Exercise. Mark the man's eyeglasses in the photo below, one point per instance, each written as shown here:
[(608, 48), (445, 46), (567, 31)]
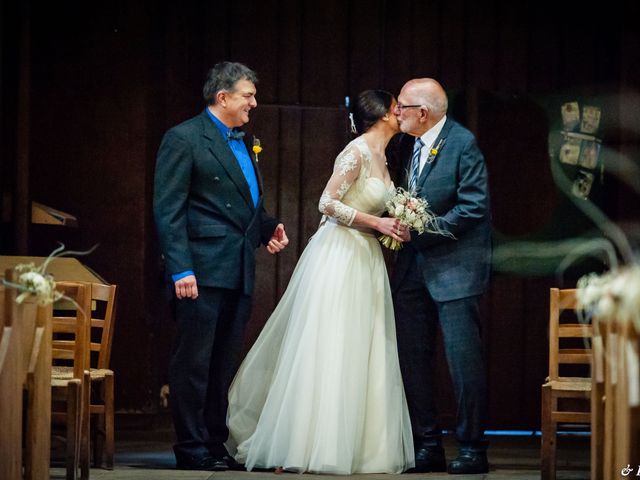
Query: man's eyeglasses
[(400, 106)]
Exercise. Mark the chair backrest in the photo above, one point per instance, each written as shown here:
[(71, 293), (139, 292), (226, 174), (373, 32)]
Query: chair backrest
[(102, 316), (569, 339), (70, 327)]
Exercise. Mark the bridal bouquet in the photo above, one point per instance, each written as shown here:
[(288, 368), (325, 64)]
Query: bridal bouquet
[(413, 212)]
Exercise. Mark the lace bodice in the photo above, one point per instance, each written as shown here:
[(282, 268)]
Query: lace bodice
[(351, 187)]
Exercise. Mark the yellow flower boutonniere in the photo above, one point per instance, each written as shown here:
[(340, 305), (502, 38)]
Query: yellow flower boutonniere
[(257, 148), (433, 153)]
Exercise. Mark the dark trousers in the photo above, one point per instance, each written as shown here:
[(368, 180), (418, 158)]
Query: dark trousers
[(204, 360), (417, 318)]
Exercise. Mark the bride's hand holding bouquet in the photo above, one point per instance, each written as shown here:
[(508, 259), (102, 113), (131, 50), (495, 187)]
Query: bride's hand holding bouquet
[(411, 213)]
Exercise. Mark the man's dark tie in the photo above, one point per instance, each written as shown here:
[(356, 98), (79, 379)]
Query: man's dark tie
[(235, 134)]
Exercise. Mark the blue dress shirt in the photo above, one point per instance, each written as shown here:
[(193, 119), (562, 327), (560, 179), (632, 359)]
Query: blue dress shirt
[(239, 149)]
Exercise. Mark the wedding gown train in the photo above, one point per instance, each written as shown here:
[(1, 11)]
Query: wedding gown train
[(321, 391)]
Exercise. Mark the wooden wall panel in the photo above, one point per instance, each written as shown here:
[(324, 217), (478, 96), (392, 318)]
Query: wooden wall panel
[(187, 47), (521, 156), (545, 58), (88, 158), (107, 85), (256, 42), (289, 65), (324, 135), (324, 52), (512, 47), (453, 37), (398, 54), (504, 340), (423, 52), (482, 42), (290, 198), (366, 46)]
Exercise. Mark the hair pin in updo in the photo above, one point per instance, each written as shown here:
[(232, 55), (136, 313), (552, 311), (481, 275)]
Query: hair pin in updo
[(353, 123)]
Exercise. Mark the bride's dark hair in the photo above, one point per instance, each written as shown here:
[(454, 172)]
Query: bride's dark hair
[(369, 107)]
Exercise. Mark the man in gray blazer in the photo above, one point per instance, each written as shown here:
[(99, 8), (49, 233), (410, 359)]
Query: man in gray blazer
[(438, 279), (209, 213)]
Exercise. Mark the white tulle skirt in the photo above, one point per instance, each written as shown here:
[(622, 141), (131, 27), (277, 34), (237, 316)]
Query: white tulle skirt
[(321, 390)]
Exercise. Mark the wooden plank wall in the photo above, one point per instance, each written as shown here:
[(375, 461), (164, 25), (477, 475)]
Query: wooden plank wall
[(107, 80)]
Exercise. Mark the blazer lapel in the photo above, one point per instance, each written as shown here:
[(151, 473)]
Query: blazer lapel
[(220, 149), (439, 144)]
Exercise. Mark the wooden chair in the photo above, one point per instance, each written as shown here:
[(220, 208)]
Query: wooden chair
[(11, 364), (598, 400), (558, 389), (103, 314), (620, 435), (70, 375), (25, 367), (37, 452)]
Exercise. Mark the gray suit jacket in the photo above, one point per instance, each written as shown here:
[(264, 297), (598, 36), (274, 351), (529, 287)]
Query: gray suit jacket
[(204, 213), (456, 188)]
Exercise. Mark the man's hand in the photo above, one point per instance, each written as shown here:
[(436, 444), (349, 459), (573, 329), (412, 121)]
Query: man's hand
[(278, 240), (187, 287), (405, 234)]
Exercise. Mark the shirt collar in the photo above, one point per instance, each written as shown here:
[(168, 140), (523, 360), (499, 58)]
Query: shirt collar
[(429, 137), (224, 130)]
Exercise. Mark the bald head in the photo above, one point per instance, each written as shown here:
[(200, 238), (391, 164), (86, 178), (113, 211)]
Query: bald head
[(429, 92), (425, 92)]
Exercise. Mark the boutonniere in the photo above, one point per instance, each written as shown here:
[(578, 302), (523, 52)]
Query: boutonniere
[(433, 153), (256, 147)]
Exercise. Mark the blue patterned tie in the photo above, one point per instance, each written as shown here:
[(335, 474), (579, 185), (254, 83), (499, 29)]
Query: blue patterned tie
[(415, 164)]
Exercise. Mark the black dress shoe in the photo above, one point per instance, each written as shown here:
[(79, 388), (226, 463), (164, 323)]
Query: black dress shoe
[(204, 463), (233, 465), (429, 459), (469, 463)]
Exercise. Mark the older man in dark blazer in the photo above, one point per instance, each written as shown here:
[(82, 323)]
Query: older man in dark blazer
[(208, 208), (438, 279)]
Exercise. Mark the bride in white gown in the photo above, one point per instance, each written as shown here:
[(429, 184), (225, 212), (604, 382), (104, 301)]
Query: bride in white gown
[(321, 391)]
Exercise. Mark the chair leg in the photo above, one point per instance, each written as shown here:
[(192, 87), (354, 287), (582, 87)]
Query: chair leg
[(73, 428), (548, 447), (109, 420), (103, 431), (85, 446), (97, 437)]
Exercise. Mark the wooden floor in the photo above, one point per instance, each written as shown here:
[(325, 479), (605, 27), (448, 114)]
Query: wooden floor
[(511, 457)]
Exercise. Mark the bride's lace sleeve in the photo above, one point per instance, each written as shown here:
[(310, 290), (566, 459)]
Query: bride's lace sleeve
[(345, 172)]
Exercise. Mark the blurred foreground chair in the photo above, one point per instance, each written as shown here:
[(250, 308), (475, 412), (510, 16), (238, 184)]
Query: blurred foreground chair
[(70, 375), (564, 396), (25, 367)]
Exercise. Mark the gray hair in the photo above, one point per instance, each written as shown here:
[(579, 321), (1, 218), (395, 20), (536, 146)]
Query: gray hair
[(223, 76), (437, 104)]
